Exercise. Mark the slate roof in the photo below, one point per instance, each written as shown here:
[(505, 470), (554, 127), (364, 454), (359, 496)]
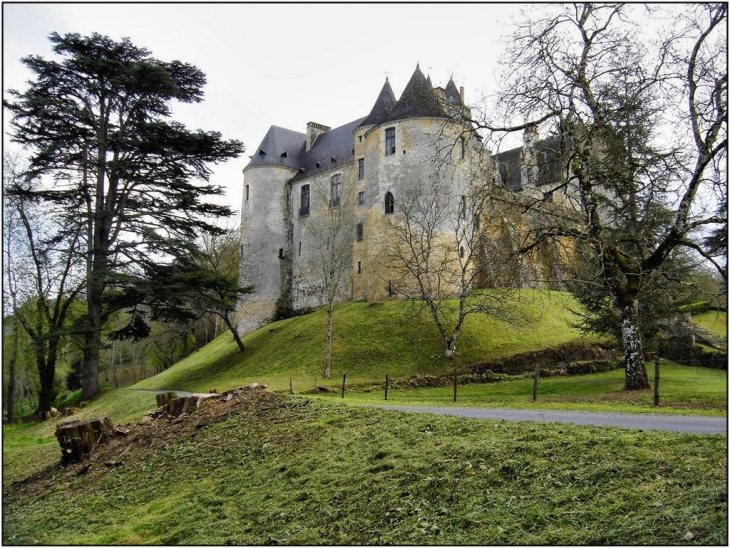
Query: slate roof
[(280, 147), (418, 100), (286, 148), (335, 144), (452, 94), (384, 105)]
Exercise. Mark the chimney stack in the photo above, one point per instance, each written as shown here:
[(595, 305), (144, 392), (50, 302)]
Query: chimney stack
[(314, 130)]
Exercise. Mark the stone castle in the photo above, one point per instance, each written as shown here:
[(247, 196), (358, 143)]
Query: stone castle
[(371, 161)]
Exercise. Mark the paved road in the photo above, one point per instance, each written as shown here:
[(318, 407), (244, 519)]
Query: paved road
[(676, 423)]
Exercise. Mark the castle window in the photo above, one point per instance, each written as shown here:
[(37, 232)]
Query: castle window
[(361, 168), (304, 203), (281, 253), (389, 203), (359, 232), (300, 249), (335, 190), (463, 207), (463, 147), (390, 141), (461, 252), (361, 198), (359, 267), (247, 195)]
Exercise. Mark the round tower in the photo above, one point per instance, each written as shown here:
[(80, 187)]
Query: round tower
[(265, 226)]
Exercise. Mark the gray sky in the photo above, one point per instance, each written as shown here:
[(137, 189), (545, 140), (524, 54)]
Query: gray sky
[(282, 65)]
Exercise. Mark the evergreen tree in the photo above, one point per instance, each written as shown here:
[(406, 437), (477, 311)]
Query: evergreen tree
[(99, 123)]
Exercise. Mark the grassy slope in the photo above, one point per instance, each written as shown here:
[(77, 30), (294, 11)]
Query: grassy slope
[(304, 473), (370, 340), (714, 322)]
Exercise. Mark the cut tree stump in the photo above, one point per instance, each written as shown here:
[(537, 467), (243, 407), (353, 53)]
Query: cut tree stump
[(164, 398), (78, 438), (177, 406)]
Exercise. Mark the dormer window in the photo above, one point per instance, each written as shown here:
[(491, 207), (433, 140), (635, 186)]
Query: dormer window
[(262, 153), (390, 141), (283, 154)]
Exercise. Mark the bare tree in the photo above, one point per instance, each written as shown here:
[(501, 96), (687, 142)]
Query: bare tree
[(47, 242), (640, 127), (434, 244), (327, 260)]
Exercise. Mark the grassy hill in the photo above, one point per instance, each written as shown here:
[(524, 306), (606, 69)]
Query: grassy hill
[(271, 469), (370, 340), (266, 468)]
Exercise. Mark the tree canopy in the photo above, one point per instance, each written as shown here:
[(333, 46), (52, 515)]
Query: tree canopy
[(98, 123), (640, 124)]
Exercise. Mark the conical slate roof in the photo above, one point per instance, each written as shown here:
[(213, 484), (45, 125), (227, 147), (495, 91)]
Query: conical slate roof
[(452, 94), (418, 100), (383, 106), (280, 147)]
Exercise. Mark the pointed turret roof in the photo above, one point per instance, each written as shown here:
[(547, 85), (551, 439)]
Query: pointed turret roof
[(280, 147), (452, 94), (383, 106), (418, 99)]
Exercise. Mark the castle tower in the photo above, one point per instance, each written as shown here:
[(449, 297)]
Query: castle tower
[(265, 217)]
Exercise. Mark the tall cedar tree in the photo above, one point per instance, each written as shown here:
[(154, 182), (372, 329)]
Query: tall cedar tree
[(643, 142), (98, 122)]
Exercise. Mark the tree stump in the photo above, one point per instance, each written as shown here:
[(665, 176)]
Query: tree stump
[(177, 406), (78, 438), (165, 398)]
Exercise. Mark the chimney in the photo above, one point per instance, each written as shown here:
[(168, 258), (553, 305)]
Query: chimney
[(461, 92), (314, 130)]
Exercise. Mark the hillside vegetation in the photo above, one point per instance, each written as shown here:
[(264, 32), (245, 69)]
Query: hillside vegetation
[(370, 340), (262, 468)]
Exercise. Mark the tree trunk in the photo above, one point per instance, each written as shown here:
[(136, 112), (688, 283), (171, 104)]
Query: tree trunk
[(11, 372), (636, 377), (92, 349), (233, 330), (46, 374), (328, 344)]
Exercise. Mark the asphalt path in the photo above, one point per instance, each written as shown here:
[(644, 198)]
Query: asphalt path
[(675, 423)]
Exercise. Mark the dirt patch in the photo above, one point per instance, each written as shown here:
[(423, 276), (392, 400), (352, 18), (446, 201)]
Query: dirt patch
[(154, 433)]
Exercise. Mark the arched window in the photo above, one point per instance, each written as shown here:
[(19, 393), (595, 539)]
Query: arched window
[(389, 203)]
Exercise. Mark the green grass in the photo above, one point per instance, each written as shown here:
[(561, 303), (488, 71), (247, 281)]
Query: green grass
[(683, 390), (714, 322), (297, 472), (370, 340)]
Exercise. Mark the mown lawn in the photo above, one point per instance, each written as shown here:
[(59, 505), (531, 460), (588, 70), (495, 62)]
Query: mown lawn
[(296, 471), (683, 390), (370, 340)]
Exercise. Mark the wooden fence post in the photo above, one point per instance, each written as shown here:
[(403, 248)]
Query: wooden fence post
[(386, 386), (656, 375), (454, 384), (344, 377)]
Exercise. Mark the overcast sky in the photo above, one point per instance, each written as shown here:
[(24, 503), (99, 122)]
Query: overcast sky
[(282, 65)]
